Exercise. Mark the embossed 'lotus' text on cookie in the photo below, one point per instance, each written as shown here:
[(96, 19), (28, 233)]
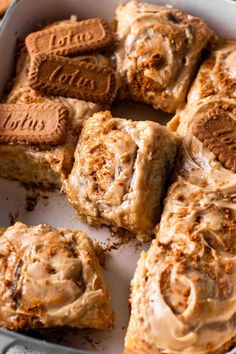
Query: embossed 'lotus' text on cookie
[(218, 133), (81, 37), (60, 76), (34, 124)]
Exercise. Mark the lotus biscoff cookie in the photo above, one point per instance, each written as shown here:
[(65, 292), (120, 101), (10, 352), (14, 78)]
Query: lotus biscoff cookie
[(70, 39)]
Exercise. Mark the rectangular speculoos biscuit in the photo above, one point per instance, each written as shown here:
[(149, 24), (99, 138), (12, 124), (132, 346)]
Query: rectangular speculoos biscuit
[(33, 124), (60, 76), (70, 39)]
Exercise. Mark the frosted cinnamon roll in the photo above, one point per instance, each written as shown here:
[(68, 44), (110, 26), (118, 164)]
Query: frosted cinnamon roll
[(159, 48), (50, 278), (183, 293), (217, 75), (119, 172)]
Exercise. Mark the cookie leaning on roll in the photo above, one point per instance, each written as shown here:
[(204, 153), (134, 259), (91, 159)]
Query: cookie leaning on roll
[(184, 290)]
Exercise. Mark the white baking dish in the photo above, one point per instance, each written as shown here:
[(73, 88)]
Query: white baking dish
[(20, 20)]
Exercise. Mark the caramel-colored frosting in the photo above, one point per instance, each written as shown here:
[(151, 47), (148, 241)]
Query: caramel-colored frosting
[(217, 75), (183, 293), (159, 48), (50, 278), (119, 172), (184, 287)]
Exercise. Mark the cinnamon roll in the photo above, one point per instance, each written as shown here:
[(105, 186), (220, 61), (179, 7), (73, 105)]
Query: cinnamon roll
[(159, 49), (183, 292), (50, 278), (119, 172), (183, 295), (217, 75)]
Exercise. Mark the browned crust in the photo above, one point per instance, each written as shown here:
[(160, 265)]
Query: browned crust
[(16, 117), (104, 74), (138, 346), (84, 47)]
